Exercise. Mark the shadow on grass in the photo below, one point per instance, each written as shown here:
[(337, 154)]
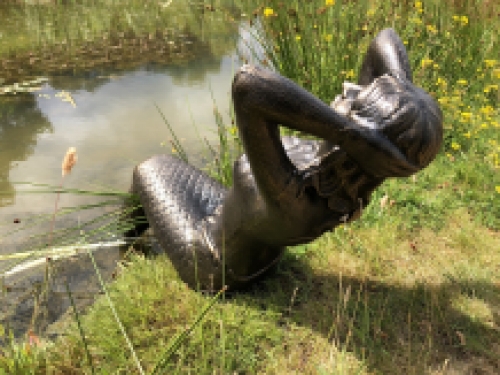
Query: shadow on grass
[(392, 328), (299, 319)]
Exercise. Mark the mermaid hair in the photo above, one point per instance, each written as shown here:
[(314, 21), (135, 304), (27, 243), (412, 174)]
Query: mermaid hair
[(404, 113)]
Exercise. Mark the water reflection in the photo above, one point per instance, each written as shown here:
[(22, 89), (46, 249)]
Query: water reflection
[(21, 122), (114, 125)]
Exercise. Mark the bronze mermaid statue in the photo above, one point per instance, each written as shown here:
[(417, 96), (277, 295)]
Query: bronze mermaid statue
[(287, 190)]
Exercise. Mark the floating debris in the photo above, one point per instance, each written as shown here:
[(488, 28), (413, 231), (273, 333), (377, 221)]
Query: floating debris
[(66, 97), (28, 86)]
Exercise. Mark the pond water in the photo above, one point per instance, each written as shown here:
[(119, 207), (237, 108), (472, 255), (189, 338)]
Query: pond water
[(112, 120), (114, 124)]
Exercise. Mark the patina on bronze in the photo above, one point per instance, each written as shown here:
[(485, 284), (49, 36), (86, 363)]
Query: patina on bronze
[(288, 190)]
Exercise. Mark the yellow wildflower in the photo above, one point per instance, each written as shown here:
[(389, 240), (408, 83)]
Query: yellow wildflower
[(426, 62), (455, 146), (370, 12), (329, 37), (350, 74), (484, 125), (466, 115), (467, 135), (329, 2), (497, 189), (431, 29), (298, 37), (487, 110), (496, 72), (462, 82), (441, 81), (268, 12), (464, 20), (418, 4), (490, 63)]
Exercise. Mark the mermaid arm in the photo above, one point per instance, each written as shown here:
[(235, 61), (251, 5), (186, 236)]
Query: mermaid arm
[(264, 99)]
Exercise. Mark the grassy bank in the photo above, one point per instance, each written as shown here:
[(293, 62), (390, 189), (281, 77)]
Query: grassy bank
[(413, 287), (62, 37)]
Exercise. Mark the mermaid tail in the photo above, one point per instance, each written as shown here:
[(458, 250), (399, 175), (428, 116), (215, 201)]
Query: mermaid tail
[(178, 201), (183, 206)]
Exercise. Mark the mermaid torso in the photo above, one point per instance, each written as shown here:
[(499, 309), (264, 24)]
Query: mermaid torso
[(197, 221)]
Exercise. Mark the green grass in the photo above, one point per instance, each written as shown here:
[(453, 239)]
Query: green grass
[(78, 21), (80, 35), (358, 300), (412, 287)]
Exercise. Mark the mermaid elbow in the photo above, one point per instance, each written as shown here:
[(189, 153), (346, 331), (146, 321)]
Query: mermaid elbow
[(243, 83)]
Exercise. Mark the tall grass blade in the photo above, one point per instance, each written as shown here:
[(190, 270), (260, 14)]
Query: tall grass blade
[(159, 368), (176, 142), (115, 314), (57, 189), (80, 327), (224, 161)]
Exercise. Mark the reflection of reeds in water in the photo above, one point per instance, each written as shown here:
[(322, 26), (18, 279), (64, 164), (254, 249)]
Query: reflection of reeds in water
[(87, 36), (118, 52)]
